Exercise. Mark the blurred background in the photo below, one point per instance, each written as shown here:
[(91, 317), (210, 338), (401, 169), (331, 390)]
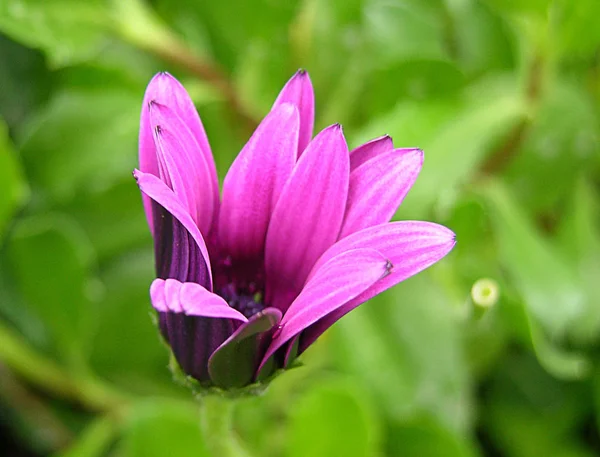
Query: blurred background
[(492, 352)]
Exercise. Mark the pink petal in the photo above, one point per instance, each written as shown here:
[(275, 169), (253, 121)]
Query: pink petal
[(308, 216), (335, 283), (158, 191), (179, 155), (190, 299), (378, 186), (254, 183), (411, 246), (299, 92), (367, 151), (166, 90)]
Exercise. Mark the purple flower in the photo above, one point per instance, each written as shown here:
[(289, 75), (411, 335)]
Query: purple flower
[(300, 237)]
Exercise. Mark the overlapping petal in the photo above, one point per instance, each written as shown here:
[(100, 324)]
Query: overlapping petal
[(307, 217), (182, 166), (177, 256), (367, 151), (165, 90), (334, 283), (299, 92), (378, 186), (255, 181), (411, 246)]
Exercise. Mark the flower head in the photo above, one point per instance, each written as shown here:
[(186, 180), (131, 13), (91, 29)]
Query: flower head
[(300, 237)]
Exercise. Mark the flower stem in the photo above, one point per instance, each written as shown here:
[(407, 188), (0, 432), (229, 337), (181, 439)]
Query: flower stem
[(216, 420), (43, 373), (136, 23)]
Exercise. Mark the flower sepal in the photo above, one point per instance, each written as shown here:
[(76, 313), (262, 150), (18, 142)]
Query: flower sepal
[(201, 390)]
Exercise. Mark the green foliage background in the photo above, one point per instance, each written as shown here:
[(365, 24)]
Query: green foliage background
[(502, 95)]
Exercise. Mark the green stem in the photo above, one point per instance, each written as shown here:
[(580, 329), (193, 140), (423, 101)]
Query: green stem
[(136, 23), (216, 420), (37, 370)]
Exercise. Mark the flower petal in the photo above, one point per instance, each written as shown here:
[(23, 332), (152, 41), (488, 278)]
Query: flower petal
[(180, 250), (234, 363), (411, 246), (367, 151), (254, 183), (308, 216), (179, 155), (378, 186), (166, 90), (335, 283), (194, 322), (190, 299), (299, 91)]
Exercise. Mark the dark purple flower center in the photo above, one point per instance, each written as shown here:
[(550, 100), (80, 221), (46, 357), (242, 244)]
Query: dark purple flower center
[(247, 300)]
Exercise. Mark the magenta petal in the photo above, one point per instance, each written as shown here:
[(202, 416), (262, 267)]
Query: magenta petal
[(254, 183), (367, 151), (166, 90), (378, 186), (308, 216), (234, 363), (411, 246), (183, 166), (190, 299), (335, 283), (299, 92), (158, 192)]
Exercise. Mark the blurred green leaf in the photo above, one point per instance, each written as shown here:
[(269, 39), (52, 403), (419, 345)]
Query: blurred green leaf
[(102, 216), (160, 427), (482, 39), (66, 30), (556, 148), (332, 418), (405, 347), (426, 438), (528, 413), (455, 135), (405, 29), (579, 238), (549, 285), (94, 441), (127, 346), (83, 141), (13, 188), (577, 32), (25, 81), (50, 260)]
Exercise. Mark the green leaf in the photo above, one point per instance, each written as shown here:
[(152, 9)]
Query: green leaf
[(83, 141), (113, 220), (25, 81), (332, 418), (66, 30), (50, 260), (157, 428), (577, 34), (455, 134), (405, 29), (549, 285), (579, 238), (427, 438), (405, 346), (127, 346), (556, 148), (94, 441), (13, 188), (528, 413)]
